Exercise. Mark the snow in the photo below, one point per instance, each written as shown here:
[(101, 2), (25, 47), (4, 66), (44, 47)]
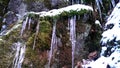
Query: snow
[(114, 15), (112, 33), (54, 12), (97, 22), (100, 63)]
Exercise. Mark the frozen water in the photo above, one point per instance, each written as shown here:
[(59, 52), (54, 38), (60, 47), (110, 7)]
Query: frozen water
[(53, 42), (19, 56), (37, 31), (98, 6), (24, 25), (73, 36)]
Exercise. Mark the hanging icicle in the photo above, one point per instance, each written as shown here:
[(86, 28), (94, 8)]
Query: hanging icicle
[(53, 43), (72, 1), (73, 36), (101, 2), (29, 22), (37, 31), (24, 25), (82, 1), (20, 54), (99, 9)]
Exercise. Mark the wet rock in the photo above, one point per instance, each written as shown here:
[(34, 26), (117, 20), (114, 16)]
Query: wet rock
[(14, 5), (92, 55), (9, 18), (36, 6)]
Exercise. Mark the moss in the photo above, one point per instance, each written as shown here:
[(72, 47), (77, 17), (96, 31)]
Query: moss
[(30, 40), (71, 13), (63, 14), (44, 35), (33, 56)]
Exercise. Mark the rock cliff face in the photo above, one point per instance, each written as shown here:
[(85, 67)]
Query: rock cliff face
[(35, 5), (38, 31)]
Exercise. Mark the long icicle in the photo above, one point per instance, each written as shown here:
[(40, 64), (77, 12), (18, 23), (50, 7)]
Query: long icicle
[(73, 36), (82, 1), (101, 2), (37, 31), (53, 43), (20, 54), (16, 58), (29, 23), (24, 25), (99, 9)]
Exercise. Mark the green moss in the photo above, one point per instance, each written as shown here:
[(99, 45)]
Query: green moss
[(33, 57), (71, 13), (43, 35), (64, 13), (30, 40), (42, 44)]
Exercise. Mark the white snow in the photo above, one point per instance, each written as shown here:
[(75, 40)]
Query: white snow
[(114, 19), (54, 12), (97, 22)]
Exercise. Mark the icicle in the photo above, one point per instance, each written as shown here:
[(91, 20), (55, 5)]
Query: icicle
[(82, 2), (19, 56), (71, 2), (101, 3), (29, 22), (24, 25), (37, 30), (78, 1), (98, 5), (73, 36), (53, 42), (113, 3)]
